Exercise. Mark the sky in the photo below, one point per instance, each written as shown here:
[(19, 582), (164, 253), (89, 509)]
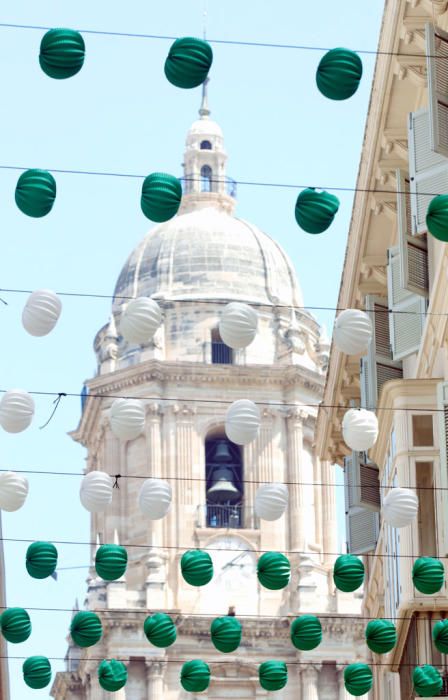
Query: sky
[(120, 114)]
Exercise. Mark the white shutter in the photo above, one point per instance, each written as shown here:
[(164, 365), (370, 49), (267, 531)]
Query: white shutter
[(408, 315), (442, 405), (378, 366), (428, 170), (414, 273), (362, 525), (437, 68)]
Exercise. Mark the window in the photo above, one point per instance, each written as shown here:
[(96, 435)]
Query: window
[(422, 431), (206, 146), (221, 353), (224, 483), (206, 178), (426, 510)]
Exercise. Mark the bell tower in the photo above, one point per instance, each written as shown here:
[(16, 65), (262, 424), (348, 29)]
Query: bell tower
[(205, 160)]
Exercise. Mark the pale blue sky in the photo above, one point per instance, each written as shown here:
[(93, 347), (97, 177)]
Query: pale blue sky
[(120, 114)]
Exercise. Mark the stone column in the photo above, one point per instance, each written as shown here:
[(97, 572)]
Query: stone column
[(296, 514), (310, 679), (184, 468), (343, 693), (258, 465), (155, 671), (328, 515), (155, 561)]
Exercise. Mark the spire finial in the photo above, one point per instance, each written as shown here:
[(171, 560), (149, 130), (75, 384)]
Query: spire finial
[(204, 111)]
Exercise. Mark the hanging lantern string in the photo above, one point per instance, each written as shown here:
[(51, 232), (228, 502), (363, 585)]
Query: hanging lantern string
[(56, 403), (220, 402), (212, 662), (199, 479), (224, 42), (186, 548), (249, 183), (116, 297), (115, 613)]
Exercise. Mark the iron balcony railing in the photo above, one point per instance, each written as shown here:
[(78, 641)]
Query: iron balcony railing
[(227, 516), (230, 185)]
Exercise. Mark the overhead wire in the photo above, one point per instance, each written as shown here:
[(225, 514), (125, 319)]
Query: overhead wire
[(221, 402), (186, 548), (204, 480), (224, 42), (293, 307), (116, 612)]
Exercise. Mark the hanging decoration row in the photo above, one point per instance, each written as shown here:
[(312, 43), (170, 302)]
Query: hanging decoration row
[(195, 676)]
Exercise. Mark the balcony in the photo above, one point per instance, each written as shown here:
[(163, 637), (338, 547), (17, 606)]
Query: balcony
[(232, 517), (230, 186)]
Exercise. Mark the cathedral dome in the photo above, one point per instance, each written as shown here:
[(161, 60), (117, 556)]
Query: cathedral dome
[(209, 254), (204, 127)]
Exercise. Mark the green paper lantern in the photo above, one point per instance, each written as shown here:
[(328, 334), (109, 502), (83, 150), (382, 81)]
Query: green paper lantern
[(348, 573), (440, 636), (358, 678), (111, 561), (188, 62), (16, 625), (62, 53), (36, 672), (273, 675), (428, 575), (41, 559), (315, 211), (196, 567), (306, 632), (112, 675), (427, 681), (195, 676), (161, 196), (35, 192), (381, 636), (339, 74), (274, 570), (160, 630), (86, 628), (226, 633), (437, 217)]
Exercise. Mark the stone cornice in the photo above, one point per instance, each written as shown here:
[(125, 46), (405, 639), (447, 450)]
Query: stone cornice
[(159, 375), (383, 142)]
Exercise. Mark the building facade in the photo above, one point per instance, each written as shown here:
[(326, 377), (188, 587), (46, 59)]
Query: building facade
[(192, 265), (397, 271)]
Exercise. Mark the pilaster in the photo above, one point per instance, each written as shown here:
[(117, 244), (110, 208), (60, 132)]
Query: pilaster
[(310, 680), (155, 672)]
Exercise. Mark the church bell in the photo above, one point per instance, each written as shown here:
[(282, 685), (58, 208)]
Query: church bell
[(223, 489)]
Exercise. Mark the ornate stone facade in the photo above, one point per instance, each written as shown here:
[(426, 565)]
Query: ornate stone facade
[(191, 265)]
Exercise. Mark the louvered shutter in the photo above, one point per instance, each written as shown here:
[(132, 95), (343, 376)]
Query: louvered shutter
[(442, 405), (428, 170), (378, 366), (408, 315), (437, 68), (362, 525), (414, 274)]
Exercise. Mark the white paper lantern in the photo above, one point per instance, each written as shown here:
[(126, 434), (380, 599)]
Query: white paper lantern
[(13, 491), (127, 418), (400, 507), (352, 331), (96, 491), (41, 312), (238, 325), (16, 410), (154, 498), (271, 501), (140, 320), (360, 429), (242, 422)]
